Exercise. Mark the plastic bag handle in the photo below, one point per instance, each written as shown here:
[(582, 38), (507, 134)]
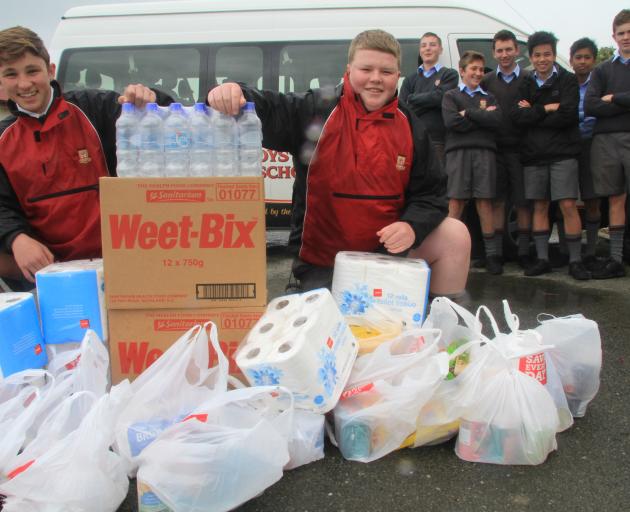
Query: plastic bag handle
[(510, 318), (223, 364), (243, 394), (493, 322), (469, 319)]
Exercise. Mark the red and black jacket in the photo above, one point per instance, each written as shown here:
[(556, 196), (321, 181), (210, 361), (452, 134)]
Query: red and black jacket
[(49, 171), (352, 178)]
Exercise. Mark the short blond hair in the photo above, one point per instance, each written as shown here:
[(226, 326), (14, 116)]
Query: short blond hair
[(16, 41), (375, 39)]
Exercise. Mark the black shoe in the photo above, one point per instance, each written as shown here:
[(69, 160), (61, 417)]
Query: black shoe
[(558, 259), (578, 271), (609, 269), (480, 263), (538, 268), (494, 265), (525, 261), (591, 262)]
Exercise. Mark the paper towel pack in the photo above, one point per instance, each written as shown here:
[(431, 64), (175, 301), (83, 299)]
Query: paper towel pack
[(71, 299), (21, 343), (378, 286), (303, 343)]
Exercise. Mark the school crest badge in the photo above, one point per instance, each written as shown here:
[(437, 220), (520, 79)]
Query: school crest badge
[(483, 104), (438, 82), (84, 156), (400, 162)]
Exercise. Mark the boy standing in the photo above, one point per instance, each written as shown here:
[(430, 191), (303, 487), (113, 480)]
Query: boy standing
[(471, 116), (424, 89), (53, 150), (608, 99), (548, 110), (373, 179), (583, 53), (504, 84)]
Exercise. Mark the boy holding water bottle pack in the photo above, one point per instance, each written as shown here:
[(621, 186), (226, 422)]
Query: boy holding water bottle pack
[(53, 150), (367, 177)]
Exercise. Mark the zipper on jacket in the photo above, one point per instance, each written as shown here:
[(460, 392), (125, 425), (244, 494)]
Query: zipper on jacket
[(63, 193), (366, 196)]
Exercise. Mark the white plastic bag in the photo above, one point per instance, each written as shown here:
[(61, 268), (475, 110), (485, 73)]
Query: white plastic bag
[(227, 452), (469, 361), (577, 355), (79, 472), (167, 391), (24, 395), (306, 441), (537, 364), (514, 421), (386, 391)]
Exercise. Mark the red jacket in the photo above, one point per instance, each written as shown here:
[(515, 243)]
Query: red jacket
[(356, 180)]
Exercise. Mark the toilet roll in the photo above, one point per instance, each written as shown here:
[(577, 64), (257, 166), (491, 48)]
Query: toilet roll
[(377, 286), (71, 300), (21, 343), (304, 345)]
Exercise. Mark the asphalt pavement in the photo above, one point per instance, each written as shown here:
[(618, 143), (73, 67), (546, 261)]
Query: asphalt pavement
[(590, 471)]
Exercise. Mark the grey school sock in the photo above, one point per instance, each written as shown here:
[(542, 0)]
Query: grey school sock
[(489, 244), (523, 242), (574, 244), (562, 237), (592, 233), (616, 242), (498, 242), (541, 239)]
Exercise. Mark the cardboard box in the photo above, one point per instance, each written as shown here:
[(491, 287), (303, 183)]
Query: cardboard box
[(138, 337), (183, 242)]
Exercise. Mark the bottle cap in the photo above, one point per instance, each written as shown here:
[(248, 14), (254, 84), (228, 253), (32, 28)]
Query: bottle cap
[(128, 108), (175, 107)]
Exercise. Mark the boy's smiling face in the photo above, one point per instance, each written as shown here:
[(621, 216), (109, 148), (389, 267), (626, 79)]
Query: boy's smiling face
[(26, 81), (543, 58), (472, 74), (374, 77)]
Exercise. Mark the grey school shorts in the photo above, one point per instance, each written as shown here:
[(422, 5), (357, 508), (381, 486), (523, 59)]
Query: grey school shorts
[(587, 187), (510, 178), (554, 181), (471, 174), (610, 163)]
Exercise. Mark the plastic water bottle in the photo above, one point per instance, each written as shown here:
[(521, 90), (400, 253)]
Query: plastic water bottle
[(176, 141), (127, 141), (151, 156), (224, 144), (250, 142), (201, 142)]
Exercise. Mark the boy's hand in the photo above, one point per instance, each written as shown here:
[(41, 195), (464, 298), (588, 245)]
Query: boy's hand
[(462, 113), (524, 104), (30, 255), (491, 108), (397, 237), (552, 107), (227, 98), (137, 94), (607, 98)]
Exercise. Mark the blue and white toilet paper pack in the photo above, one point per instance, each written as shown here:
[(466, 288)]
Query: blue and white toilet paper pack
[(376, 286), (303, 343), (21, 343), (71, 299)]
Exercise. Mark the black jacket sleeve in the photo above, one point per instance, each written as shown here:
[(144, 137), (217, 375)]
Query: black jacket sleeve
[(526, 116), (12, 218), (420, 102), (567, 114), (406, 88), (484, 118), (426, 204)]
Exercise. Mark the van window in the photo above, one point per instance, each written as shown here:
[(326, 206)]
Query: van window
[(176, 71), (240, 64), (485, 46)]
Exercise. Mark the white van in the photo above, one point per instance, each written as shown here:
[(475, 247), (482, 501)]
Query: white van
[(185, 47)]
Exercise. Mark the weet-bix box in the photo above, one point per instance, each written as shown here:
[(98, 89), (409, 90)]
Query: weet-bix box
[(21, 343), (72, 300)]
